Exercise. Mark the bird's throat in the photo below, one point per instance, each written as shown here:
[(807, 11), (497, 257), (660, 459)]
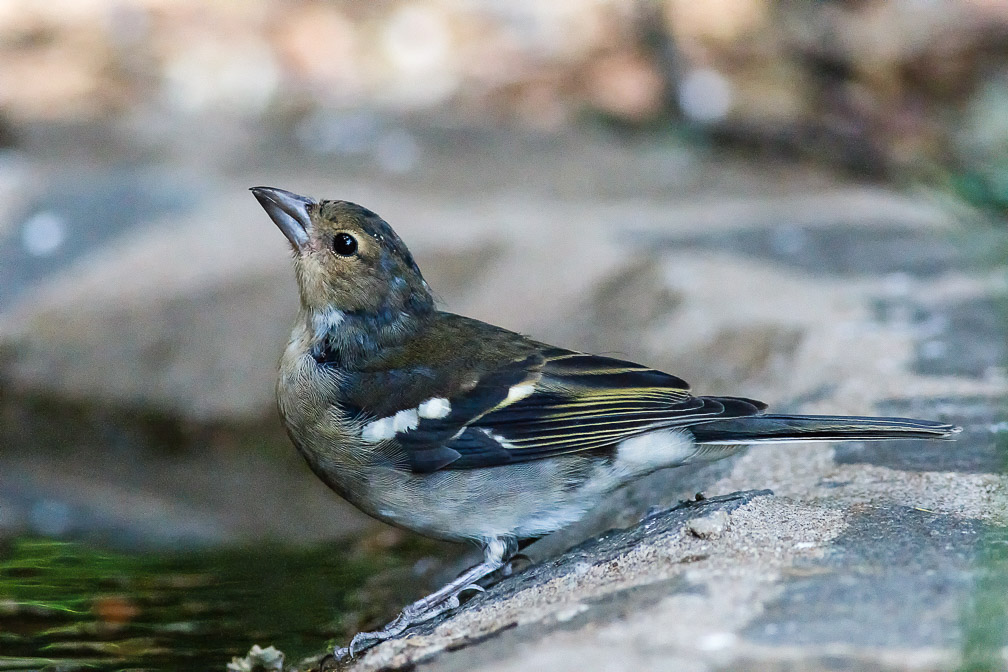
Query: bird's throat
[(348, 339)]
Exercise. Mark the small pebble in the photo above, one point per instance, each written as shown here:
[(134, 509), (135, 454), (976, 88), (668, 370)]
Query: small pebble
[(710, 526), (258, 659), (717, 641)]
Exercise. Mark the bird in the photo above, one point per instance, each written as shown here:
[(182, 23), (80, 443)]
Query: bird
[(463, 431)]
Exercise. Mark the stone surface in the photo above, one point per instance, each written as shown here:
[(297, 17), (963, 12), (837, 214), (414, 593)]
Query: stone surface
[(710, 526), (789, 585), (136, 372)]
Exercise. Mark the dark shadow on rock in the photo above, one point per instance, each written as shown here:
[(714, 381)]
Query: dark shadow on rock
[(134, 478)]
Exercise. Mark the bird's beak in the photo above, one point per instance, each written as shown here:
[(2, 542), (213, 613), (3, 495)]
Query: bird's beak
[(288, 211)]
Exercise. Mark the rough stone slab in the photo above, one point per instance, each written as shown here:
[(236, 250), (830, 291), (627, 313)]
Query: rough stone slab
[(784, 581), (613, 566), (896, 577), (785, 585)]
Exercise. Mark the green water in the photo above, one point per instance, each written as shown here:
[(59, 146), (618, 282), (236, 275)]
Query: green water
[(66, 606)]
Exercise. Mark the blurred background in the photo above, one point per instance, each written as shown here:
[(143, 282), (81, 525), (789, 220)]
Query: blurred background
[(701, 186)]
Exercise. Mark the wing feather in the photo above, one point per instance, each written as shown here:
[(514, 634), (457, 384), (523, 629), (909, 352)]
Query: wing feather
[(579, 403)]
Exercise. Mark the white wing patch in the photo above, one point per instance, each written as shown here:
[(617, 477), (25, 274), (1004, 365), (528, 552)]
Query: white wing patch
[(378, 430), (405, 420), (498, 438), (519, 392), (386, 428), (434, 408)]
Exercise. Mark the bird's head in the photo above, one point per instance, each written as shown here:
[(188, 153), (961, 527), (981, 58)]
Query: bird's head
[(348, 260)]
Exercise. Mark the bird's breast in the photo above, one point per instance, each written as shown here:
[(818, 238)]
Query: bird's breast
[(308, 399)]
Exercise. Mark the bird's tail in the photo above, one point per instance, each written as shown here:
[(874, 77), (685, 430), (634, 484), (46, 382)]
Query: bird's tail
[(779, 428)]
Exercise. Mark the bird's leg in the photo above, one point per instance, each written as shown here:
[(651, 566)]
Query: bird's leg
[(495, 554)]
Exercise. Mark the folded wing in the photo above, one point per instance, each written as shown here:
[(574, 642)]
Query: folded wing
[(553, 403)]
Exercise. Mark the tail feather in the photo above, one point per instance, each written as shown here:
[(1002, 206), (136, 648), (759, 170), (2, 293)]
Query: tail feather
[(779, 428)]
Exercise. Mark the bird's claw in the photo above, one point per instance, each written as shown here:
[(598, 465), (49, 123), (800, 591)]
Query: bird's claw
[(433, 605), (363, 641)]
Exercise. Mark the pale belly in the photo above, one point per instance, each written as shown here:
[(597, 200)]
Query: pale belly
[(525, 500)]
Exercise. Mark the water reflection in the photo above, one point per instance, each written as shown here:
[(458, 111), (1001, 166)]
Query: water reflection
[(68, 606)]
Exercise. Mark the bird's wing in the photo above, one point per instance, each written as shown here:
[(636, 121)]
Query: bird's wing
[(549, 403), (588, 402)]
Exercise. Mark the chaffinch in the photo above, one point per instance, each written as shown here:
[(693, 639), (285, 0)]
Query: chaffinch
[(464, 431)]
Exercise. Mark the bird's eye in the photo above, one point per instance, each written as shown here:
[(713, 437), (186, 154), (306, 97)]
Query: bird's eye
[(344, 244)]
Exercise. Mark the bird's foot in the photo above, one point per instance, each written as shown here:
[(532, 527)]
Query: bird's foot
[(495, 554), (410, 616)]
